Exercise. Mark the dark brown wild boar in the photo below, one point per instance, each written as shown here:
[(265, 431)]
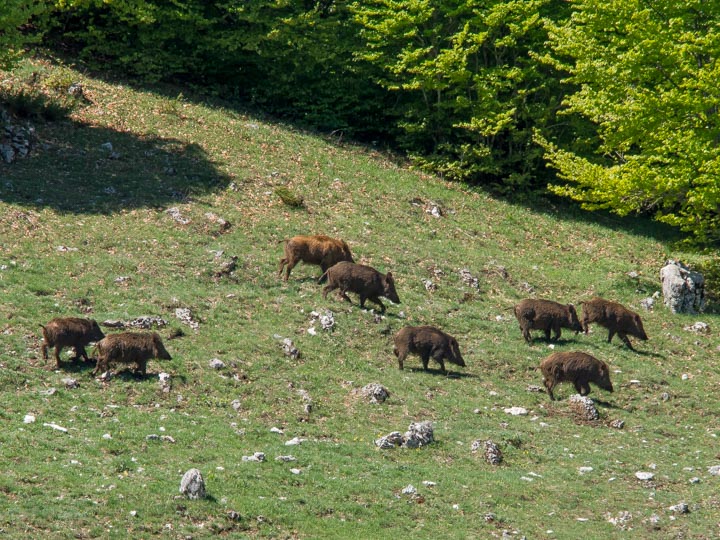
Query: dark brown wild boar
[(320, 249), (363, 280), (69, 332), (129, 347), (615, 317), (579, 368), (546, 315), (427, 342)]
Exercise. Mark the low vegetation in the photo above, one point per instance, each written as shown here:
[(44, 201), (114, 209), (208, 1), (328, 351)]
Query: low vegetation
[(148, 203)]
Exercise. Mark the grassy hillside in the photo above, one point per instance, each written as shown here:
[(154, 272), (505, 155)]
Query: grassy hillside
[(86, 231)]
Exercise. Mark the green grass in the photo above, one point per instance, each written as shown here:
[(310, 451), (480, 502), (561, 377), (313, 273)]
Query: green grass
[(73, 219)]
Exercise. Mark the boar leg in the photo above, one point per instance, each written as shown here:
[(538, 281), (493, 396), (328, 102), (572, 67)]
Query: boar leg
[(58, 348), (547, 333), (557, 331), (142, 367), (80, 353), (611, 333), (425, 357), (379, 303), (400, 356), (625, 340), (526, 333), (44, 349), (327, 288), (344, 296), (549, 386)]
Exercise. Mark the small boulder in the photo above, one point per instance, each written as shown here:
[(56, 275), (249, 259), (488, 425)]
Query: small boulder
[(192, 484)]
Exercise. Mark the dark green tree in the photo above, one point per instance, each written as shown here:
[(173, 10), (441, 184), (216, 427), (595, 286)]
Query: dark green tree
[(646, 75)]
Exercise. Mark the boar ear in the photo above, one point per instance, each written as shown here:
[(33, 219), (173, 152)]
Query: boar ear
[(389, 275)]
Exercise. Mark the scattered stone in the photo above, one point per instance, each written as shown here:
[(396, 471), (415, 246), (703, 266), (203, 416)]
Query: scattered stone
[(434, 209), (308, 402), (71, 383), (107, 146), (107, 436), (665, 396), (257, 456), (174, 212), (29, 419), (694, 480), (534, 388), (429, 285), (698, 328), (49, 392), (648, 303), (583, 470), (295, 471), (55, 427), (216, 363), (165, 382), (285, 459), (192, 484), (584, 407), (683, 289), (326, 319), (429, 483), (633, 274), (391, 440), (223, 225), (714, 470), (468, 279), (516, 411), (289, 348), (640, 475), (236, 404), (680, 508), (622, 519), (277, 430), (375, 392), (493, 455), (418, 434), (617, 424), (232, 515), (295, 441), (7, 153), (186, 316), (409, 490)]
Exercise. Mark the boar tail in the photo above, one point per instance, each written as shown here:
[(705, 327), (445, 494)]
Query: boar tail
[(323, 276)]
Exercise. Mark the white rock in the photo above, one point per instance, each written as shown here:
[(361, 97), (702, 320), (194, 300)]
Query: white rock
[(192, 484), (429, 483), (107, 436), (516, 411), (714, 470), (277, 430), (216, 363), (29, 419), (295, 471), (640, 475), (294, 441), (583, 470), (409, 490), (55, 427), (680, 508)]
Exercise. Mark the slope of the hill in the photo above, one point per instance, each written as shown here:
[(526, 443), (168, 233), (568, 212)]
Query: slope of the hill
[(131, 206)]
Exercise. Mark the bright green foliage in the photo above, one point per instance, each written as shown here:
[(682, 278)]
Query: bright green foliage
[(647, 76), (469, 89), (14, 14)]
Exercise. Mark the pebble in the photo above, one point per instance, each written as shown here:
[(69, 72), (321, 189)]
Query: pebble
[(640, 475), (516, 411)]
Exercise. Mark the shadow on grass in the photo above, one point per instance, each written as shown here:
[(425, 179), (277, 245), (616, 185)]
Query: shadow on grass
[(81, 169), (451, 374)]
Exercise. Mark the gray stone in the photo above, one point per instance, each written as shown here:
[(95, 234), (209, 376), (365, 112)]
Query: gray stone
[(7, 153), (192, 484), (683, 289)]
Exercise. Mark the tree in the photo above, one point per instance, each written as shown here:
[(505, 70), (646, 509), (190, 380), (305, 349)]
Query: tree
[(13, 15), (645, 74), (469, 91)]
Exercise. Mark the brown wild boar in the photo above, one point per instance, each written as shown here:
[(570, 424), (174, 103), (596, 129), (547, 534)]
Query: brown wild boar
[(363, 280), (128, 347), (320, 249), (545, 315), (579, 368), (69, 332), (427, 342), (615, 317)]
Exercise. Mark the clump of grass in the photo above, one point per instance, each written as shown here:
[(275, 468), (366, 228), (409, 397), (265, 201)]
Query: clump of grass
[(289, 198)]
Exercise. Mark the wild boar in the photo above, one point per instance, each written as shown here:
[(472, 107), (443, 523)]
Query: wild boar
[(545, 315), (128, 347), (576, 367), (69, 332), (363, 280), (427, 342), (615, 317), (320, 249)]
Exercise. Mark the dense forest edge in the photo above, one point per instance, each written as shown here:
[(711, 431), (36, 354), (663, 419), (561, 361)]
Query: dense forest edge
[(613, 105)]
